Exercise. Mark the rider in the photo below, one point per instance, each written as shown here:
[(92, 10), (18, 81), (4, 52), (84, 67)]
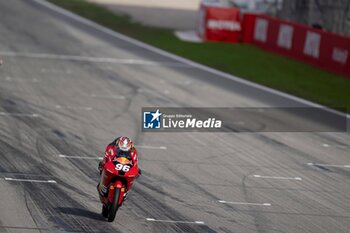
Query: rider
[(120, 147)]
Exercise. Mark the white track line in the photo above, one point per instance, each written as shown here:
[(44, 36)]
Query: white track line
[(33, 181), (9, 79), (277, 177), (19, 114), (151, 147), (91, 59), (244, 203), (119, 97), (335, 146), (72, 107), (172, 221), (327, 165), (79, 157), (53, 71), (180, 59)]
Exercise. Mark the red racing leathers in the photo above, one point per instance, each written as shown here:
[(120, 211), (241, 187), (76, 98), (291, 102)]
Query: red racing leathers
[(110, 153)]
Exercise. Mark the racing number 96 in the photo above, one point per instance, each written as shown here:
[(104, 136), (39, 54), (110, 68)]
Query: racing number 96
[(121, 167)]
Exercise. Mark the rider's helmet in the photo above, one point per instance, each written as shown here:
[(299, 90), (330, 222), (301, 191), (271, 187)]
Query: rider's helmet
[(124, 147)]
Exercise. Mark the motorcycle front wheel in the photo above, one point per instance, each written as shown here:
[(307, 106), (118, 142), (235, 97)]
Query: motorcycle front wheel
[(113, 207), (105, 211)]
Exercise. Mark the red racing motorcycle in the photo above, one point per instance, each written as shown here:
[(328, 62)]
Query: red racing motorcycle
[(117, 177)]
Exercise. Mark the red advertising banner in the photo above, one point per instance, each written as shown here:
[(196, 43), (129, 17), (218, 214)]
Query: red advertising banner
[(219, 24), (323, 49)]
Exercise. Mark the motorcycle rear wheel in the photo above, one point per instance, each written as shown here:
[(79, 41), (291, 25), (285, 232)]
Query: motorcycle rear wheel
[(113, 207)]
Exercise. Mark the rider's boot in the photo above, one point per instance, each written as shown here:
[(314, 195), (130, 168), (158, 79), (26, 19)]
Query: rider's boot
[(125, 195), (102, 190)]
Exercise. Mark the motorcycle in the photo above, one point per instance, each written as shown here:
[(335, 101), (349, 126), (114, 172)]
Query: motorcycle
[(117, 177)]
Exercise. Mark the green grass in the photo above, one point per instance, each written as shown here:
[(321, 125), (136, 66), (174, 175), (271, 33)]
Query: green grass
[(245, 61)]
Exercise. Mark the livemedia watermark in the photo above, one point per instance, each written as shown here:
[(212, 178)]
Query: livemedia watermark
[(162, 119)]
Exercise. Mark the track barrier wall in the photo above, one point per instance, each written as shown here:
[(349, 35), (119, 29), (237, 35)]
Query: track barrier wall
[(323, 49), (314, 46), (219, 24)]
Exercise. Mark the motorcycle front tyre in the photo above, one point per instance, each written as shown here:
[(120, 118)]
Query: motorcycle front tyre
[(113, 208), (105, 211)]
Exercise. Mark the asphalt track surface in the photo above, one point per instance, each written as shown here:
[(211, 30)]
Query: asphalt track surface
[(73, 105)]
